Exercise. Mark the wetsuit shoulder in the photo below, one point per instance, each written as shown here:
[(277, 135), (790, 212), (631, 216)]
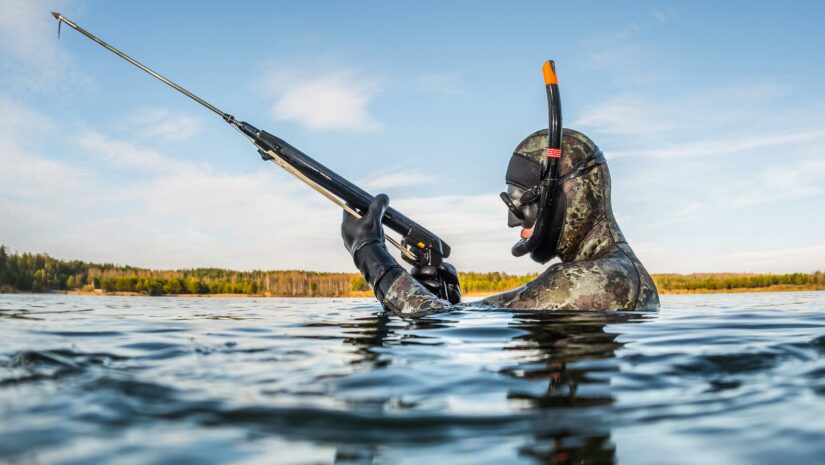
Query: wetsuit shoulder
[(609, 282), (647, 296)]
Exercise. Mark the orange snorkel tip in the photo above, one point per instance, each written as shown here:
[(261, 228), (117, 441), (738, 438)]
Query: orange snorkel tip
[(549, 71)]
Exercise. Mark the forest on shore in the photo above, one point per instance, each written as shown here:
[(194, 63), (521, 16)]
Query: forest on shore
[(27, 272)]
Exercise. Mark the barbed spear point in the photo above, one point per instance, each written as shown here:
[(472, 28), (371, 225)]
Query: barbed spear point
[(59, 19)]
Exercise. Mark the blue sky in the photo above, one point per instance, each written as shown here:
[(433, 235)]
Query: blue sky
[(711, 116)]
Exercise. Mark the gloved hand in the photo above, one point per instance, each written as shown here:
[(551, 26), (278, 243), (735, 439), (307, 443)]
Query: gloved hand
[(439, 280), (364, 239), (358, 232)]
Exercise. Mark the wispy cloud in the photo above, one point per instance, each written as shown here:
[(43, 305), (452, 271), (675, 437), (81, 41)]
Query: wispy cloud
[(124, 154), (16, 116), (329, 100), (703, 133), (778, 260), (179, 217), (164, 124), (623, 115), (182, 220), (791, 180), (24, 172), (30, 55), (28, 175), (711, 110), (724, 146), (663, 15), (659, 259), (399, 178)]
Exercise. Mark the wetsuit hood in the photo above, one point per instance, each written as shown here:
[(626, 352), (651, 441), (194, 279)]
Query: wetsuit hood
[(569, 205)]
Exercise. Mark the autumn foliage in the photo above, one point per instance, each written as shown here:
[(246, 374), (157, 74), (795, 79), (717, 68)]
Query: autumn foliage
[(41, 273)]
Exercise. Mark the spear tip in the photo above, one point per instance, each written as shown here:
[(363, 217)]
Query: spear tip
[(56, 15)]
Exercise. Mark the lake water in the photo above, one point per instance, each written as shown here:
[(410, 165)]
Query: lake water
[(729, 379)]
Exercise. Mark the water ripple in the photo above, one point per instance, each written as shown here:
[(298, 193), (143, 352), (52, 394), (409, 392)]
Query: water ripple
[(187, 380)]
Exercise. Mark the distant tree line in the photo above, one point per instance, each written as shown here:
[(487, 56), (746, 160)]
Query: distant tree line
[(731, 281), (29, 272), (475, 283), (42, 273)]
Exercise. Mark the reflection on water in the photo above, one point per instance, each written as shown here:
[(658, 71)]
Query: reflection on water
[(174, 380), (544, 352), (572, 353)]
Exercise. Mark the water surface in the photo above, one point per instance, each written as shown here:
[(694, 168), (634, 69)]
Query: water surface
[(737, 378)]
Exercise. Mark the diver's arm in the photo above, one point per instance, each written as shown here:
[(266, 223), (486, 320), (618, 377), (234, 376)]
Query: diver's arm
[(393, 286), (405, 296), (396, 289)]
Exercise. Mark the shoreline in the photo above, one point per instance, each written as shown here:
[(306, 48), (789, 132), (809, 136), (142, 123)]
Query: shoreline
[(742, 290), (367, 294)]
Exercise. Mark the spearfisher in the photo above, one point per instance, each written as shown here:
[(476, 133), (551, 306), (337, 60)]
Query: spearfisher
[(418, 246)]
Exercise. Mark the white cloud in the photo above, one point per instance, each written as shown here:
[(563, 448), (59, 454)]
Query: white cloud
[(714, 110), (400, 178), (697, 135), (124, 154), (624, 115), (735, 259), (334, 100), (163, 123), (724, 146), (780, 260), (172, 215), (39, 196), (16, 117), (793, 180), (27, 175), (262, 219), (23, 172), (30, 55), (168, 218)]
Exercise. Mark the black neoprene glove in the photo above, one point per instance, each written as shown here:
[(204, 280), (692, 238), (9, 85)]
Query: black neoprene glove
[(364, 239), (438, 279)]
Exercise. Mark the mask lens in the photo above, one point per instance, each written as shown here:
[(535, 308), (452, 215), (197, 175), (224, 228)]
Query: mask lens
[(511, 206)]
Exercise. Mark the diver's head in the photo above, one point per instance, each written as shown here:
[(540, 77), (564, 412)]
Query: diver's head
[(555, 214)]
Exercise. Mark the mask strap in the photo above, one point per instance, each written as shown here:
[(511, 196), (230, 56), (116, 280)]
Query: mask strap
[(533, 194), (584, 167)]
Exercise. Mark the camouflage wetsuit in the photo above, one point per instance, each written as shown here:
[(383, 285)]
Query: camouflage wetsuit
[(598, 269)]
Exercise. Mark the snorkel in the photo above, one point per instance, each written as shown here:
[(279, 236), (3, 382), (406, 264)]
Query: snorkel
[(545, 191)]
